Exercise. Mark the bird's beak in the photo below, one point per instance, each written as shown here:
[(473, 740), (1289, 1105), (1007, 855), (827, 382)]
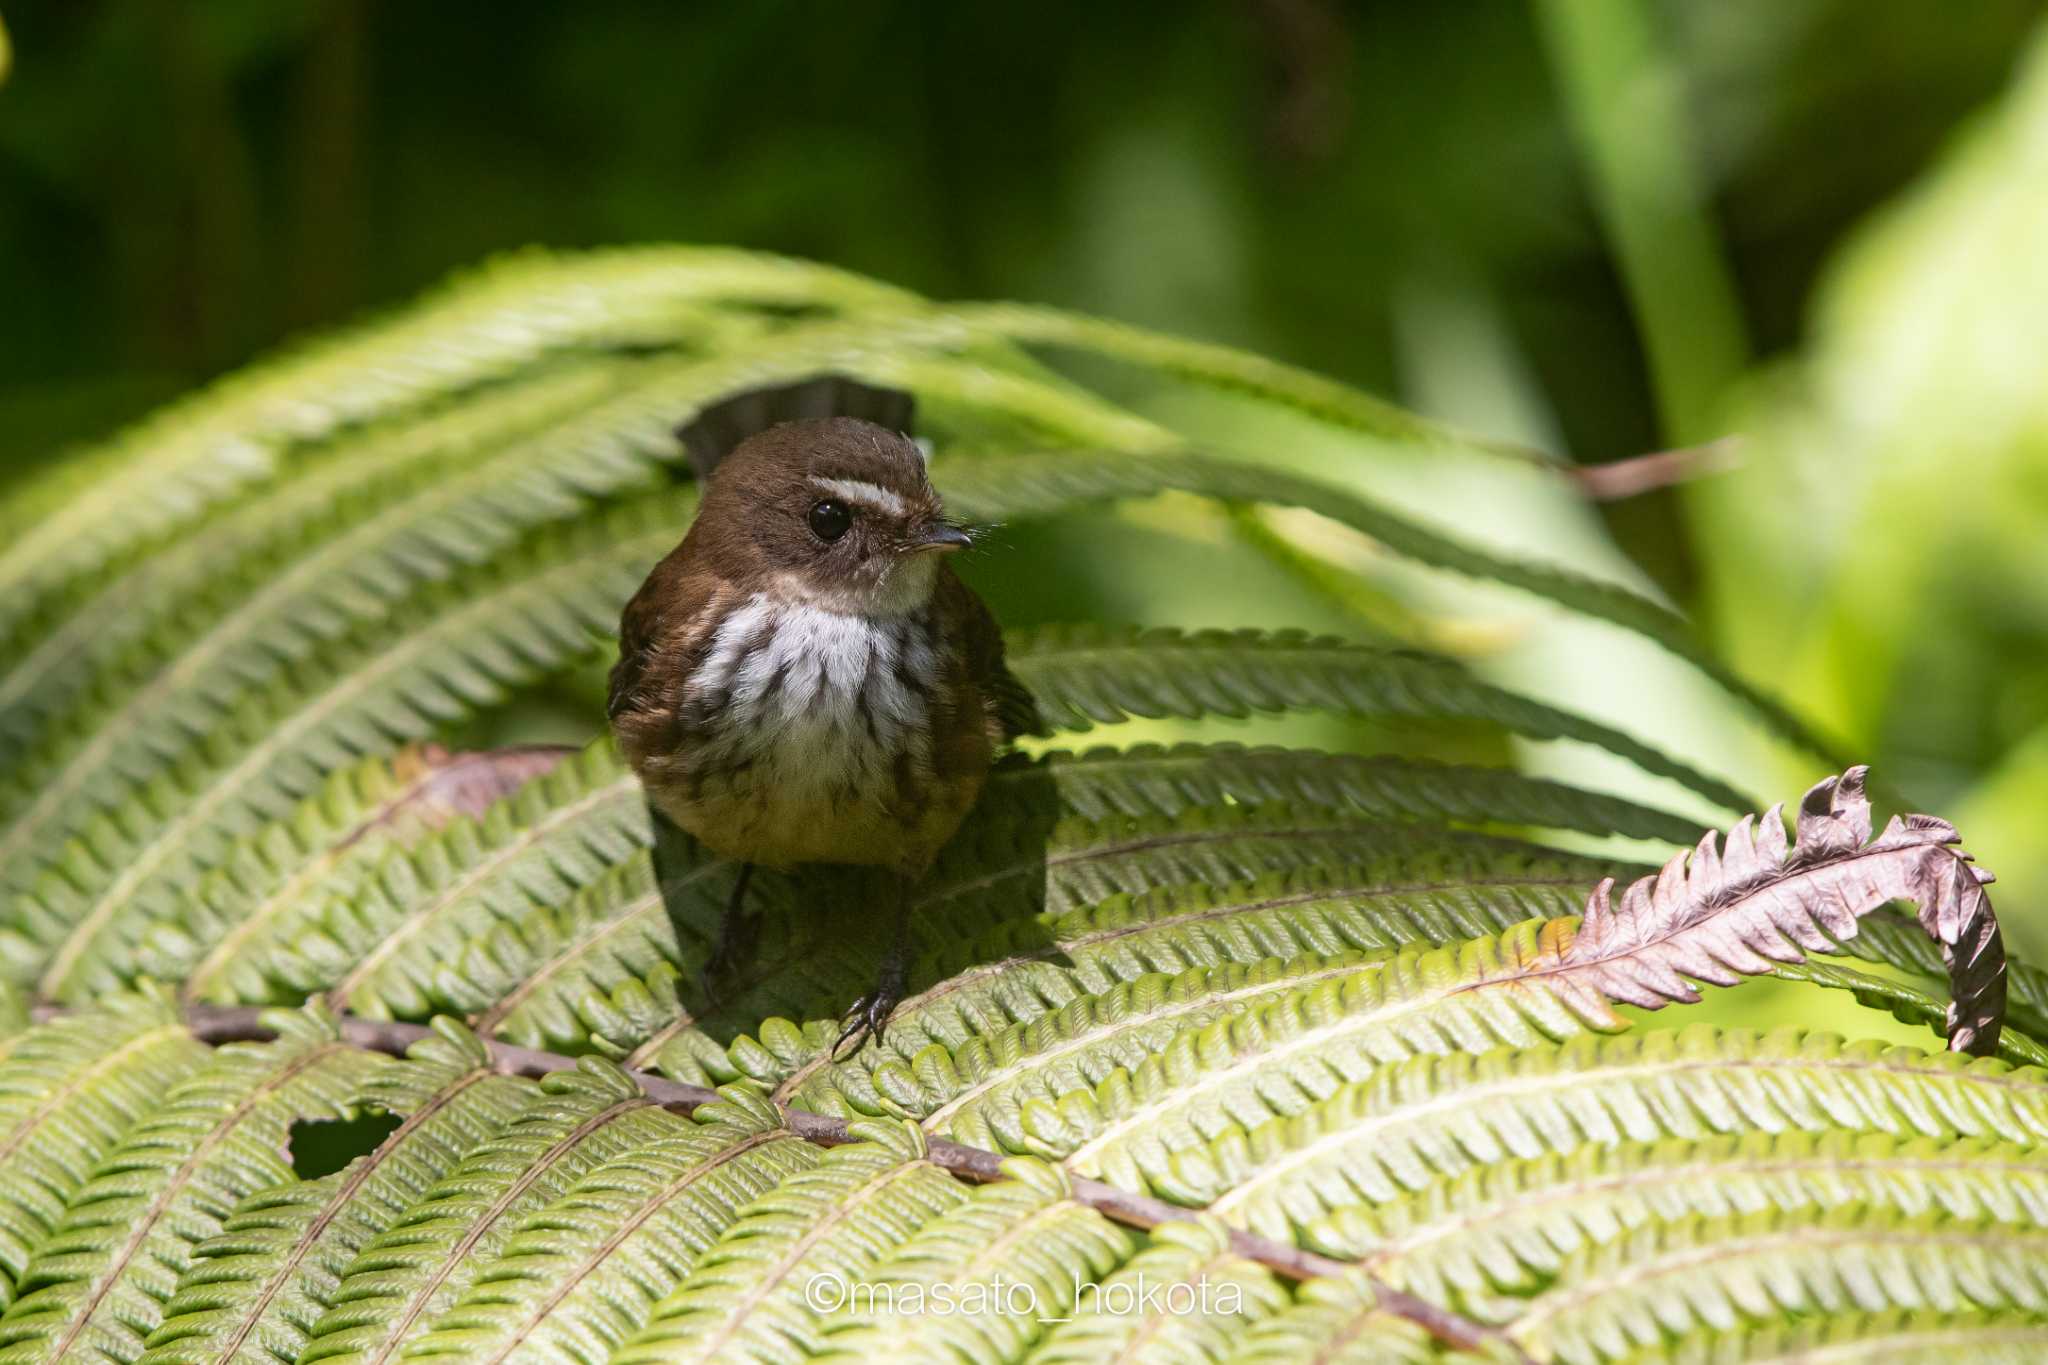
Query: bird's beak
[(941, 536)]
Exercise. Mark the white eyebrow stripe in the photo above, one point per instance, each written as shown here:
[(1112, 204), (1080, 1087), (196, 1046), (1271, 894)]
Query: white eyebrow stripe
[(872, 496)]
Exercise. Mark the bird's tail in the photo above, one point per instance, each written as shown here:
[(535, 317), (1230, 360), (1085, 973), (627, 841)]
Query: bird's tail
[(710, 434)]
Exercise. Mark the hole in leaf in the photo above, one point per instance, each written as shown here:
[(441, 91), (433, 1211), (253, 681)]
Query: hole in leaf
[(323, 1146)]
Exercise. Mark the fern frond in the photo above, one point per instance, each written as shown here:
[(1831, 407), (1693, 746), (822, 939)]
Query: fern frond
[(155, 479), (97, 1285), (1150, 779), (253, 1292), (480, 635), (326, 848), (1334, 1321), (1052, 482), (980, 1281), (158, 703), (422, 1263), (529, 852), (1083, 676), (1896, 1337), (1909, 1002), (57, 661), (745, 1298), (1420, 886), (1441, 1115), (581, 1275), (1669, 1278), (1186, 1297), (69, 1089), (959, 1091), (1509, 1228), (1733, 911)]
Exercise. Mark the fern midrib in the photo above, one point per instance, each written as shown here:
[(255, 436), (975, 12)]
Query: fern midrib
[(495, 1210), (1151, 1324), (1385, 1016), (104, 1283), (1081, 1042), (422, 915), (1148, 843), (1524, 1202), (580, 947), (345, 1190), (792, 1256), (1204, 915), (287, 893), (77, 1081), (654, 1204), (1523, 1084), (196, 811), (1557, 1302)]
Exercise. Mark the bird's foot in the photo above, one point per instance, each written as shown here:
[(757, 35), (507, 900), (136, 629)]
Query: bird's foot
[(870, 1015)]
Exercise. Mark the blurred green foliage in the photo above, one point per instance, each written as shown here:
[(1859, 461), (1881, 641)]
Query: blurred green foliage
[(1594, 226)]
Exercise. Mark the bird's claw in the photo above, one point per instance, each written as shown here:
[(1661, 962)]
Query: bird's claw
[(866, 1020)]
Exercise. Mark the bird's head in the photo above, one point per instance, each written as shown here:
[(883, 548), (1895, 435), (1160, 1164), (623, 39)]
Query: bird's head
[(837, 512)]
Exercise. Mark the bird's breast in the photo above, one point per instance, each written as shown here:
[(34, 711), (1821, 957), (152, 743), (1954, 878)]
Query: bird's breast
[(806, 735)]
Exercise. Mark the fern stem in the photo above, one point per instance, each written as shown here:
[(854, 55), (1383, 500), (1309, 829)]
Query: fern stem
[(216, 1024)]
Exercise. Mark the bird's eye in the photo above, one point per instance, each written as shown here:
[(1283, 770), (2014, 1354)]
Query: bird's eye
[(830, 519)]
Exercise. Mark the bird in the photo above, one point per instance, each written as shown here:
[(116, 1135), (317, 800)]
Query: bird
[(805, 679)]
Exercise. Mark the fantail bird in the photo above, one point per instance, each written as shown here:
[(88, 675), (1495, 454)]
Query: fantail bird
[(804, 679)]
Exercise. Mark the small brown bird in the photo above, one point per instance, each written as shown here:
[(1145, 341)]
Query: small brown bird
[(804, 679)]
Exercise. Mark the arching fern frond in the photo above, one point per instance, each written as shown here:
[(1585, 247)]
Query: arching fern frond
[(253, 1292), (1667, 1278), (326, 848), (1437, 1116), (423, 1262), (581, 1275), (1083, 676), (983, 1279), (1335, 1322), (1509, 1228), (97, 1285), (390, 685), (68, 1090), (1187, 1297), (746, 1298), (1885, 1338)]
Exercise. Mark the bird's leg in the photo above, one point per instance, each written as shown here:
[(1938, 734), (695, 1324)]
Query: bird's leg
[(870, 1014), (735, 945)]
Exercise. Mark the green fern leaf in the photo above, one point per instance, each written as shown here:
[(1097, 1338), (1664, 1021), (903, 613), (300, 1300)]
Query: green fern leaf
[(980, 1281), (153, 480), (424, 1261), (1887, 1338), (1907, 1001), (69, 1089), (393, 684), (1510, 1228), (96, 1287), (1671, 1277), (1083, 676), (253, 1292), (745, 1298), (1437, 1116), (1186, 1297), (1149, 779), (581, 1274), (1334, 1322)]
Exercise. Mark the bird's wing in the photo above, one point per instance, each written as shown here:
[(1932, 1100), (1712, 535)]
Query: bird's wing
[(1015, 710)]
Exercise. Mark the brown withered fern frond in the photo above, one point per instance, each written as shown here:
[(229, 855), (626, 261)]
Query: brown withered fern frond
[(1731, 908)]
